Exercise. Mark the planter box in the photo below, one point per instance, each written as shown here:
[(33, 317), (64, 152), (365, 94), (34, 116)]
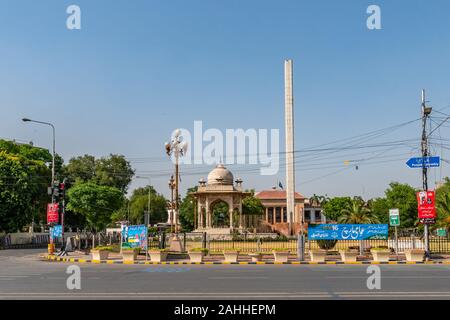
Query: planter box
[(196, 256), (414, 255), (317, 255), (129, 255), (158, 256), (281, 256), (231, 256), (380, 255), (348, 255), (99, 254), (256, 257)]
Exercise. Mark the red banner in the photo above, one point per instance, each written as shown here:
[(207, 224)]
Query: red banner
[(52, 213), (425, 205)]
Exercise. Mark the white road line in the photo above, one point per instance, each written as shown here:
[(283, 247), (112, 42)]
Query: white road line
[(350, 293), (238, 278)]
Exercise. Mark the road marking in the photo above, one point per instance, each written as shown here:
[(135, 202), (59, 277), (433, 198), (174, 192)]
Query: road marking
[(390, 277), (241, 294), (239, 278)]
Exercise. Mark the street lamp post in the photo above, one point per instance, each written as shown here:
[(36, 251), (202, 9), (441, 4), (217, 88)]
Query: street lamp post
[(171, 215), (177, 147), (53, 153), (53, 168)]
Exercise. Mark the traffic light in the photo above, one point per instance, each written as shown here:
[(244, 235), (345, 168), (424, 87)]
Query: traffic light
[(58, 191)]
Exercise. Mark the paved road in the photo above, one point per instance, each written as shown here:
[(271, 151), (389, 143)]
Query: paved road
[(23, 275)]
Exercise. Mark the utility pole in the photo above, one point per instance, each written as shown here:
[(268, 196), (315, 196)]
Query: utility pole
[(426, 111)]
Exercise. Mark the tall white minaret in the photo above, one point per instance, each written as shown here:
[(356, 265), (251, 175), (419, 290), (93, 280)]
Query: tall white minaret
[(289, 137)]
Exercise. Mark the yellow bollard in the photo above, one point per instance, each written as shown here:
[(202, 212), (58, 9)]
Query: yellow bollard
[(51, 248)]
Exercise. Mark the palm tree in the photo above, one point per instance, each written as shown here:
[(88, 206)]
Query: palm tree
[(443, 209), (357, 213), (318, 201)]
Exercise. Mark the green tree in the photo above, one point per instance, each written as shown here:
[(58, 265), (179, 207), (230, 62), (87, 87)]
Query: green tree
[(23, 190), (96, 203), (443, 205), (318, 201), (332, 209), (357, 213), (139, 203), (81, 169), (402, 197), (186, 212), (252, 206), (113, 171)]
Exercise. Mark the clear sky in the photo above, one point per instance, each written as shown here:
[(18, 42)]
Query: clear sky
[(139, 69)]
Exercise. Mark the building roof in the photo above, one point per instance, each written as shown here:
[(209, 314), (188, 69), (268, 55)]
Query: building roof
[(275, 195), (220, 175)]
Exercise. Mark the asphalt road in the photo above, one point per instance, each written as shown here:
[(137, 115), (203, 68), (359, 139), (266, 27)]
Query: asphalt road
[(24, 276)]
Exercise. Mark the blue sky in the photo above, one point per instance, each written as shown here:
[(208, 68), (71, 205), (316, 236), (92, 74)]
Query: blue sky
[(139, 69)]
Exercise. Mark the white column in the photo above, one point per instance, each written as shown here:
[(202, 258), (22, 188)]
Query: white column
[(289, 136)]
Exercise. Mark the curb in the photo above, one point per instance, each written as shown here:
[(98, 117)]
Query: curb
[(61, 259)]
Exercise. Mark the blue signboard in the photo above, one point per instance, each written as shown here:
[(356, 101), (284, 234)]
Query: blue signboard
[(424, 162), (134, 236), (56, 231), (347, 231)]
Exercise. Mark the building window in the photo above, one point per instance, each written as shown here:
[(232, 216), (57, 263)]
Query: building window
[(318, 216), (307, 215), (270, 211), (278, 215), (284, 214)]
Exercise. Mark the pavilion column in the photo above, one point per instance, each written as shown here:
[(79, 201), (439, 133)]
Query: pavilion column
[(207, 213), (199, 217), (267, 215), (274, 215), (240, 214), (282, 214), (230, 212)]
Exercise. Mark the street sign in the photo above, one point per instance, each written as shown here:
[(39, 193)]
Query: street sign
[(424, 162), (52, 213), (426, 206), (441, 232), (394, 217), (57, 231)]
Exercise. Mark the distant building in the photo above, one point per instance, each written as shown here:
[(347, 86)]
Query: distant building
[(275, 215)]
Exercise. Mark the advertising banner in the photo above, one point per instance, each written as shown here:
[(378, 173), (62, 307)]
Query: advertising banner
[(56, 231), (348, 231), (426, 205), (134, 236), (52, 213)]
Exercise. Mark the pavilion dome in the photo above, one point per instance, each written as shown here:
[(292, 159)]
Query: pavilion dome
[(220, 175)]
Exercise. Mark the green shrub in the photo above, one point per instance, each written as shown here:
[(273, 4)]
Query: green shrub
[(204, 250), (158, 250), (380, 248), (103, 248), (326, 244)]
